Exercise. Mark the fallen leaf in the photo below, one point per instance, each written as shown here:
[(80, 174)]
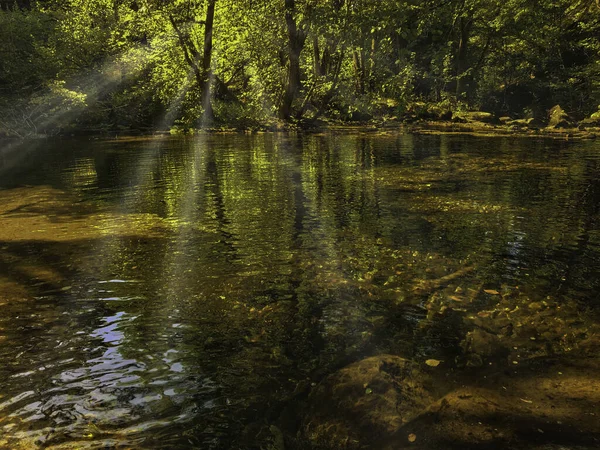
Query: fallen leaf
[(455, 298), (412, 437), (491, 292), (432, 362)]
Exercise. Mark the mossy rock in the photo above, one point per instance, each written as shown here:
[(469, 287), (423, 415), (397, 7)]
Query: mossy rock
[(591, 122), (426, 111), (477, 116), (531, 123), (458, 118), (360, 116), (481, 347), (596, 115), (558, 118), (447, 115), (438, 113)]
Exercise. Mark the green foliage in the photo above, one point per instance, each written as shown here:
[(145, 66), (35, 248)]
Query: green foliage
[(144, 63), (25, 57), (49, 110)]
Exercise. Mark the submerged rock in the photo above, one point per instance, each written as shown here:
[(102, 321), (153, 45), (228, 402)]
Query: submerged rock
[(382, 403), (480, 346), (367, 400), (541, 406)]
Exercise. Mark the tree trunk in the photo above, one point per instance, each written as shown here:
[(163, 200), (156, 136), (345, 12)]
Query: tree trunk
[(358, 72), (116, 11), (190, 53), (326, 65), (462, 63), (319, 63), (200, 63), (371, 72), (206, 62), (296, 39)]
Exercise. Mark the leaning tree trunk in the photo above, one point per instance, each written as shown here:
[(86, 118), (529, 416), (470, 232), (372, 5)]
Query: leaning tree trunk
[(200, 63)]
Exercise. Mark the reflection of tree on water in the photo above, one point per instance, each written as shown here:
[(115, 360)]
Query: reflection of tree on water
[(263, 263)]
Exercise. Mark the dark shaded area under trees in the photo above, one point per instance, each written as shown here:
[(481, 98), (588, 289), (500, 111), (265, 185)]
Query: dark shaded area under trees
[(118, 65)]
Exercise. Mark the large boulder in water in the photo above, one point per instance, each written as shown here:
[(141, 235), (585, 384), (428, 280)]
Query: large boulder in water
[(558, 118), (370, 399)]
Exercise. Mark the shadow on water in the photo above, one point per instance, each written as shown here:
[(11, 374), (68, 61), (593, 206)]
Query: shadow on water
[(162, 293)]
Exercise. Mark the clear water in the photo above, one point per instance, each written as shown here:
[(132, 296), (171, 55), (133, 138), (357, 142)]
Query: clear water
[(180, 292)]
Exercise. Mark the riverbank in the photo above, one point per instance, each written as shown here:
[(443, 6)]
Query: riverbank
[(484, 129), (470, 128), (427, 127)]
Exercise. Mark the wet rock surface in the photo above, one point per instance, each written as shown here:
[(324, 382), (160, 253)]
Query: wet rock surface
[(372, 398), (524, 375), (545, 404)]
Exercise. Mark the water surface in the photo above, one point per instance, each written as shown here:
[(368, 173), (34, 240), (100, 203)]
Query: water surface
[(180, 292)]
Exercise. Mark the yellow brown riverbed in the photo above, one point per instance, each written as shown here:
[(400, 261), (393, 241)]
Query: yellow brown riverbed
[(291, 291)]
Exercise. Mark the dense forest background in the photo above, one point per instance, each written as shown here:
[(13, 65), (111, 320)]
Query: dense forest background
[(106, 65)]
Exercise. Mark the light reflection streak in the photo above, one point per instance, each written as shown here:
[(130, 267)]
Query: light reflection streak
[(184, 216), (90, 392)]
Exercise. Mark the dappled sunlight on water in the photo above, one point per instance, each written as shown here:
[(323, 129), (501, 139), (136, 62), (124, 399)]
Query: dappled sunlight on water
[(177, 292)]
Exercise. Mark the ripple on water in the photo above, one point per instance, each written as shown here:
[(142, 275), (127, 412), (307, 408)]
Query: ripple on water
[(106, 399), (184, 287)]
